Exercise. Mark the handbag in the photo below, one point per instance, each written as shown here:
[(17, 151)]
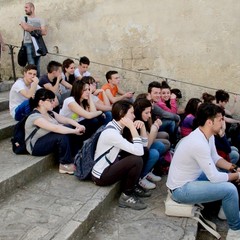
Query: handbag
[(193, 211), (22, 54)]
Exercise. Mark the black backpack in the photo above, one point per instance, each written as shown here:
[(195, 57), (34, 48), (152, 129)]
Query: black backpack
[(18, 139), (84, 160)]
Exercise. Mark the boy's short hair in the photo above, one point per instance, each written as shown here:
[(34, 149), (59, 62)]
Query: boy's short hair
[(30, 67), (53, 66), (207, 111), (84, 60), (109, 74), (222, 96), (152, 85)]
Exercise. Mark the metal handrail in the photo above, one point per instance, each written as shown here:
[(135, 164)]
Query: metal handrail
[(11, 47)]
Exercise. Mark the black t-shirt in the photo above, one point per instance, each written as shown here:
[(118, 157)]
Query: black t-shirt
[(44, 80)]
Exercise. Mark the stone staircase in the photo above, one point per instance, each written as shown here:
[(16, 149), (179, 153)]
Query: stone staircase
[(36, 202)]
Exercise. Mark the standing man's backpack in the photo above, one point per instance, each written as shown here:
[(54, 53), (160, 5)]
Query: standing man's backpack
[(84, 160), (18, 139)]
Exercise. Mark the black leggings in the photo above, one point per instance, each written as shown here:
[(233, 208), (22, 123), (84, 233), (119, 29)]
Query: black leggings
[(127, 170)]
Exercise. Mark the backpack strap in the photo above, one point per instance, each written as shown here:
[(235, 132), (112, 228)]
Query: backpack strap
[(103, 154), (208, 225), (34, 130)]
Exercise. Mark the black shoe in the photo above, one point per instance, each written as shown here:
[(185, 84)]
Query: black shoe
[(131, 201), (141, 192)]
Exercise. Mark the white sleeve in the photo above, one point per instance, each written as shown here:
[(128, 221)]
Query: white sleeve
[(203, 157), (117, 140), (77, 73)]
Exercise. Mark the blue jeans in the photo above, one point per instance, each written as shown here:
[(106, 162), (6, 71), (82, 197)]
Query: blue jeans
[(22, 110), (203, 191), (170, 127), (234, 155), (31, 59), (108, 117), (156, 152), (54, 142)]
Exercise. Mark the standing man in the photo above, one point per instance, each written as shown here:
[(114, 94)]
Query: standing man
[(32, 23), (194, 176)]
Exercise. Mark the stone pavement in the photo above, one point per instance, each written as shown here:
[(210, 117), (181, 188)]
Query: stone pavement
[(150, 223)]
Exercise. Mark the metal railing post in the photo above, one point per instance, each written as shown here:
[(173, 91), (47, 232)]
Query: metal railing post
[(11, 47)]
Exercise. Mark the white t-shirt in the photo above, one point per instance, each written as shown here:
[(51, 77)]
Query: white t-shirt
[(15, 97), (65, 111), (194, 155), (78, 74)]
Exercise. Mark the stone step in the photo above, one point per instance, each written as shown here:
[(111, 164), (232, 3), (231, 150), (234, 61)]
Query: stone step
[(54, 206), (17, 170), (36, 200), (6, 85), (4, 102), (7, 124)]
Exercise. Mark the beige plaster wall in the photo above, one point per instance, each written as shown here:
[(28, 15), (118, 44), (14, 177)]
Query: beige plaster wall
[(194, 41)]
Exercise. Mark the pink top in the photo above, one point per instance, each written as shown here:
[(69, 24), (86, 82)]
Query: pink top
[(173, 104)]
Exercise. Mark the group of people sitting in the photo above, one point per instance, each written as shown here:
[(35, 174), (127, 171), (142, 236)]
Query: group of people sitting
[(69, 108)]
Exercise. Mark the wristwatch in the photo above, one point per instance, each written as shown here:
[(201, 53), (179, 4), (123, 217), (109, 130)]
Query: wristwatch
[(233, 168)]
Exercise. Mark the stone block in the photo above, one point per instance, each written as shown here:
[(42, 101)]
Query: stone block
[(137, 52), (127, 63)]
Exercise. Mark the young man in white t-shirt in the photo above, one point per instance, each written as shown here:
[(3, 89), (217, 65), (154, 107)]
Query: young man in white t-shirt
[(22, 90), (81, 70), (194, 175)]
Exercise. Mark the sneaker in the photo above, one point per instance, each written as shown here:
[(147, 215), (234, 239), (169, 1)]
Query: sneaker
[(233, 235), (153, 178), (141, 192), (221, 214), (144, 183), (131, 201), (67, 168)]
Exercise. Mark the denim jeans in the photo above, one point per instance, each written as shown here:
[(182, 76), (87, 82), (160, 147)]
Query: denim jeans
[(31, 58), (202, 191), (108, 117), (234, 155), (22, 110), (170, 127), (54, 142), (156, 152)]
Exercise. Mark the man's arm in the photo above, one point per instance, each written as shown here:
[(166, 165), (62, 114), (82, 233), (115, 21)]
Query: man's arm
[(164, 114), (222, 163), (29, 28), (66, 84), (28, 93), (112, 98)]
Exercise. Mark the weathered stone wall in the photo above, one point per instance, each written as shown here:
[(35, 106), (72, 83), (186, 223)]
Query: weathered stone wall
[(190, 40)]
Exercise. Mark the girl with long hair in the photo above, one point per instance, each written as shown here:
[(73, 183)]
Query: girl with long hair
[(52, 135)]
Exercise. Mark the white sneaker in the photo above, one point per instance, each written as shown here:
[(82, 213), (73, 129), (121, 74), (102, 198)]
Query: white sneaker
[(144, 183), (153, 178), (221, 214), (233, 235)]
